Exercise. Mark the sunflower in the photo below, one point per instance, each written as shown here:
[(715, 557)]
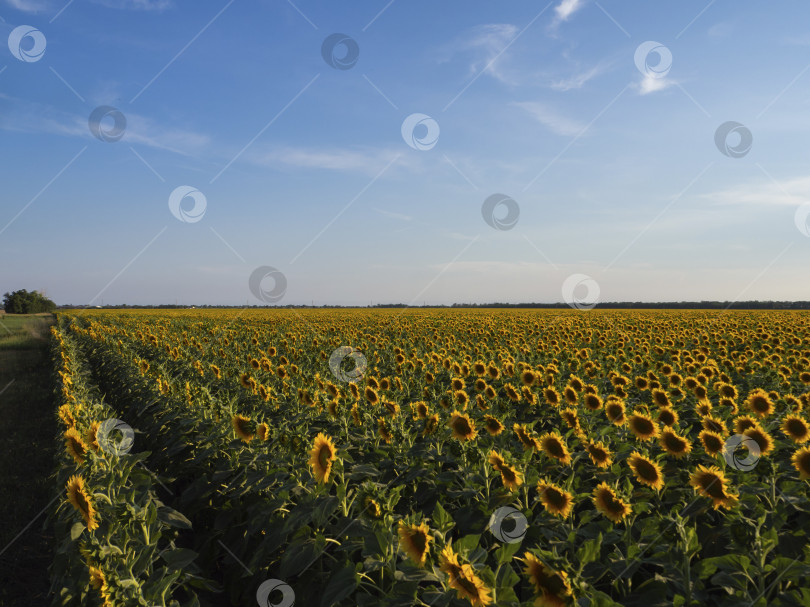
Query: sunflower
[(667, 416), (555, 499), (711, 482), (674, 444), (492, 425), (371, 508), (703, 407), (553, 445), (660, 398), (479, 368), (759, 402), (592, 401), (761, 438), (414, 540), (383, 430), (525, 437), (511, 393), (245, 380), (490, 393), (643, 426), (371, 395), (75, 445), (642, 383), (528, 377), (551, 587), (712, 442), (80, 500), (420, 409), (646, 471), (743, 423), (795, 428), (91, 436), (241, 426), (355, 411), (431, 423), (552, 397), (263, 430), (609, 504), (570, 417), (801, 461), (599, 453), (97, 578), (321, 457), (511, 478), (614, 411), (392, 408), (463, 579), (463, 428), (715, 425)]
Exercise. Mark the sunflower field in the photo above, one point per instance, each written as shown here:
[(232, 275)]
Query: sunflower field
[(439, 458)]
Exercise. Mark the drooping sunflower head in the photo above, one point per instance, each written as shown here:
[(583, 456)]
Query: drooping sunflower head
[(795, 428), (599, 453), (525, 437), (555, 499), (493, 426), (801, 461), (570, 417), (761, 438), (415, 541), (552, 588), (646, 471), (743, 423), (322, 456), (711, 482), (554, 446), (431, 423), (242, 427), (462, 427), (642, 426), (80, 499), (263, 431), (75, 445), (674, 444), (609, 503), (714, 424), (463, 579), (384, 431)]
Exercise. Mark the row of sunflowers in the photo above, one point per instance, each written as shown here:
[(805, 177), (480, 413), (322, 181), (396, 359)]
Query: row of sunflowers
[(437, 457)]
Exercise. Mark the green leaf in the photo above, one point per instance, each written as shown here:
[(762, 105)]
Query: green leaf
[(340, 586), (505, 553), (589, 551), (467, 543), (76, 530), (179, 558), (173, 518)]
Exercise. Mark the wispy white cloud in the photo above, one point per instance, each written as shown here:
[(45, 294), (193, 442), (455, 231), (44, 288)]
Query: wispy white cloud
[(551, 119), (652, 84), (484, 44), (29, 6), (336, 159), (564, 10), (792, 192), (577, 81)]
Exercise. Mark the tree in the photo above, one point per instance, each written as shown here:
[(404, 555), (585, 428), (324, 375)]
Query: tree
[(23, 302)]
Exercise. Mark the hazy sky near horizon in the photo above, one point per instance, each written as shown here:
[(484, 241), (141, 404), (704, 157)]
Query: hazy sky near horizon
[(156, 151)]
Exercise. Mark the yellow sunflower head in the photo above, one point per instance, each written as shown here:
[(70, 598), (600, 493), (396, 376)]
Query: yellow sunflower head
[(322, 455), (414, 541)]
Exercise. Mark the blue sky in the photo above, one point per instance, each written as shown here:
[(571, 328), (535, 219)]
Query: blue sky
[(598, 119)]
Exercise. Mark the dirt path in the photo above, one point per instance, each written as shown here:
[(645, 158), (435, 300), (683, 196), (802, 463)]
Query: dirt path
[(27, 430)]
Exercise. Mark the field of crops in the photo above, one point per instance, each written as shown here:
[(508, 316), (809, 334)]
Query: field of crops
[(433, 457)]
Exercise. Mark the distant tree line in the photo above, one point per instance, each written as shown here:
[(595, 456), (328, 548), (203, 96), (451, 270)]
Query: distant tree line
[(24, 302), (664, 305)]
